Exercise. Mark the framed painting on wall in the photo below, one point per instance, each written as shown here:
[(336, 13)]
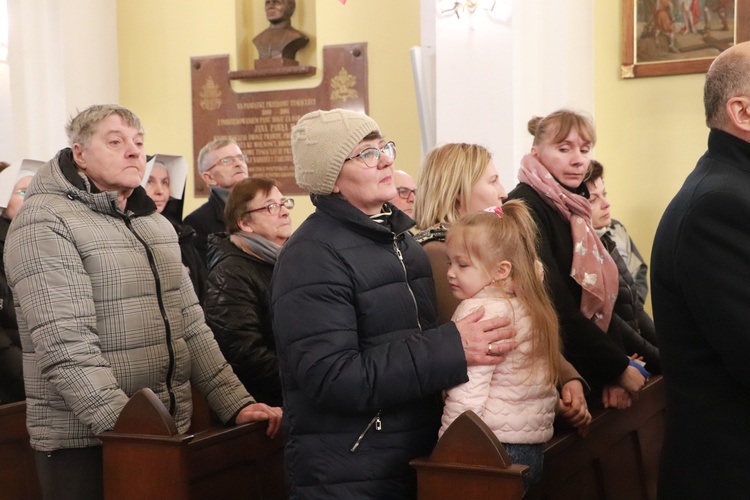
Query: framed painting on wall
[(676, 37)]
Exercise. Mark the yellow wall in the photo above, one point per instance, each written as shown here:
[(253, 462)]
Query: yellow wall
[(157, 38), (650, 132)]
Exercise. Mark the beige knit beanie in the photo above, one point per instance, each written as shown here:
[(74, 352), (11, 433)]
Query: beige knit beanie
[(321, 142)]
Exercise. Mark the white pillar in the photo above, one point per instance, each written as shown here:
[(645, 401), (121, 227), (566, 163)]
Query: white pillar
[(495, 69), (62, 58)]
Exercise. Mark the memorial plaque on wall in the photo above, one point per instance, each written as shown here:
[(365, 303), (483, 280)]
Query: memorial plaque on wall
[(261, 122)]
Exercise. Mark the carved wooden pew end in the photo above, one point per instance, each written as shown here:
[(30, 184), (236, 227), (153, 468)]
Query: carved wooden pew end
[(145, 457), (618, 459), (468, 462)]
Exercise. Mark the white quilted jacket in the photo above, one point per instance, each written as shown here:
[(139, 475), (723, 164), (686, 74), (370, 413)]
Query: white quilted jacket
[(518, 405)]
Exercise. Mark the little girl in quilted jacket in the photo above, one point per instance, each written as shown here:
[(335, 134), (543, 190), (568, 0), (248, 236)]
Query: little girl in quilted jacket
[(494, 264)]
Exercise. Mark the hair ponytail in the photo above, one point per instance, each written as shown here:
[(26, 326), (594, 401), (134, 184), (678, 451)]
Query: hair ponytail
[(513, 236), (531, 288)]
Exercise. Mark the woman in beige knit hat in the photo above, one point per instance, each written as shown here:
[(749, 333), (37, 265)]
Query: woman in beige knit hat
[(361, 355)]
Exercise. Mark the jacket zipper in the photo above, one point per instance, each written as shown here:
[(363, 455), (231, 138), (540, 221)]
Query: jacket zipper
[(162, 310), (406, 277), (378, 425)]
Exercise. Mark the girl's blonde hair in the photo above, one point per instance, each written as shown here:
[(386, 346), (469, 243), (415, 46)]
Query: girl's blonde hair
[(489, 239), (447, 175)]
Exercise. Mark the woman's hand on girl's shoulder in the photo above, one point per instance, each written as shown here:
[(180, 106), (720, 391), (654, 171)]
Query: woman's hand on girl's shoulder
[(486, 342)]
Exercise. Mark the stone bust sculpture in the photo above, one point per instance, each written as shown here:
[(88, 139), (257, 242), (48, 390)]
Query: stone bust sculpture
[(278, 44)]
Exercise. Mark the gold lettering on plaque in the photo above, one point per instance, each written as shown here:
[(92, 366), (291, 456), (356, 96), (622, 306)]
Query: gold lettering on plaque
[(210, 95), (342, 86)]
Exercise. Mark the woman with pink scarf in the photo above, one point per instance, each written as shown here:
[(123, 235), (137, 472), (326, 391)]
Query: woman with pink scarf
[(580, 274)]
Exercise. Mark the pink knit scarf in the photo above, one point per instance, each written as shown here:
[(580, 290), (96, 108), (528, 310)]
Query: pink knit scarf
[(592, 266)]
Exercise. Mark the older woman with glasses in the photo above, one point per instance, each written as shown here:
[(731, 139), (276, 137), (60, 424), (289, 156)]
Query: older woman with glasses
[(362, 358), (238, 296)]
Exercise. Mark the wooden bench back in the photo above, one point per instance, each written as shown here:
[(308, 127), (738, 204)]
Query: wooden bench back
[(468, 462), (145, 457), (618, 459), (18, 479)]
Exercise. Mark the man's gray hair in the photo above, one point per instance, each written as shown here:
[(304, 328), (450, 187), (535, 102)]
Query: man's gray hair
[(728, 77), (81, 127), (203, 161)]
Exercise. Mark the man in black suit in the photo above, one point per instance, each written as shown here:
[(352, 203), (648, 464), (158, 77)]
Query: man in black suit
[(700, 278), (222, 164)]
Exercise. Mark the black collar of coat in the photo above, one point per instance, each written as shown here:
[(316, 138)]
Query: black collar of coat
[(581, 190), (340, 209), (138, 202), (728, 148), (4, 225)]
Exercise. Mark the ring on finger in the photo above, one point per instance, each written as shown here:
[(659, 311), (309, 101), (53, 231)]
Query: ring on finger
[(489, 350)]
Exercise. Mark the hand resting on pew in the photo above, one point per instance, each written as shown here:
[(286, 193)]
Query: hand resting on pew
[(260, 411)]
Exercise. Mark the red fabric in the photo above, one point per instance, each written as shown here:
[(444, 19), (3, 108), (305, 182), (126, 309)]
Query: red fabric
[(695, 8)]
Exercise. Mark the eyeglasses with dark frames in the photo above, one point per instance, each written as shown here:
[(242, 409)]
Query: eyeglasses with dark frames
[(371, 156), (274, 208), (405, 192), (229, 160)]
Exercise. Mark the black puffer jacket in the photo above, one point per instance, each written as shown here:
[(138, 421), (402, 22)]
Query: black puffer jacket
[(632, 327), (352, 303), (191, 259), (207, 219), (187, 236), (238, 310), (11, 369)]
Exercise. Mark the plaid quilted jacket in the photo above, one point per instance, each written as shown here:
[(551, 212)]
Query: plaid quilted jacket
[(105, 308)]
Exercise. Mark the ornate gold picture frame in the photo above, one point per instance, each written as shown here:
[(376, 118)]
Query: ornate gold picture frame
[(676, 37)]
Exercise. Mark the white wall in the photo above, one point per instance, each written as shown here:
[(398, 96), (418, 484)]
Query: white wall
[(6, 130), (553, 54), (62, 58), (495, 70), (5, 121)]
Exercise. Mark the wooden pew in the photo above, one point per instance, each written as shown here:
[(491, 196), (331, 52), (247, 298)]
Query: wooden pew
[(18, 479), (145, 457), (617, 460), (468, 462)]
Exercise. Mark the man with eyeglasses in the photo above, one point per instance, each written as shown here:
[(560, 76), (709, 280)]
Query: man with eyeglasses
[(222, 164), (406, 190)]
